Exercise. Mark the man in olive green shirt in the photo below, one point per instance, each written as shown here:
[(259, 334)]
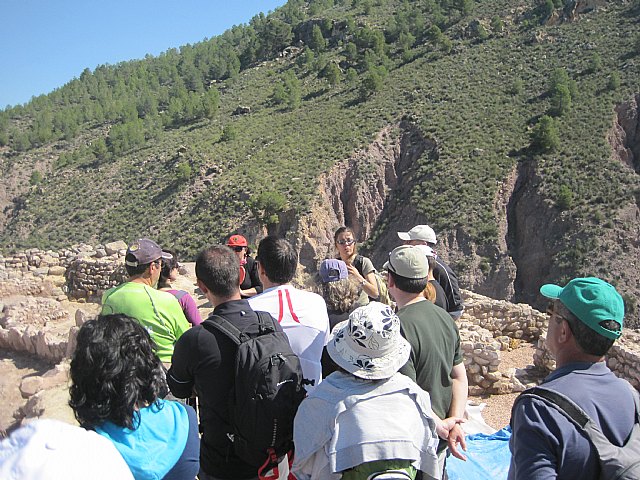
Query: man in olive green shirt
[(159, 312), (435, 362)]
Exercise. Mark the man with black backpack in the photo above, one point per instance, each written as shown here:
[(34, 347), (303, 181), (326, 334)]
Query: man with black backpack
[(582, 422), (248, 381)]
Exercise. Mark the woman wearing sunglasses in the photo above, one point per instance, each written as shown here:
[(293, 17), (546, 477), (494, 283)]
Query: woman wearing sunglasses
[(360, 268), (251, 284)]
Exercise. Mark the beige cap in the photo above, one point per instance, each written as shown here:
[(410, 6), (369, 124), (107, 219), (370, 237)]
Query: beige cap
[(408, 261)]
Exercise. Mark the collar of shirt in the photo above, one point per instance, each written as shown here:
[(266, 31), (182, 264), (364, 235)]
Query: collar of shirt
[(233, 308), (584, 368)]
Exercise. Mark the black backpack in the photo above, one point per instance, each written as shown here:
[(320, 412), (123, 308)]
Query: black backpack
[(267, 392), (616, 463)]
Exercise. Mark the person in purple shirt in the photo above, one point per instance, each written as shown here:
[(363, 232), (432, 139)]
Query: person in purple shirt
[(168, 273), (586, 317)]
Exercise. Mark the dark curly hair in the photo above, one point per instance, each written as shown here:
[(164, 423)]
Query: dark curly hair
[(114, 372)]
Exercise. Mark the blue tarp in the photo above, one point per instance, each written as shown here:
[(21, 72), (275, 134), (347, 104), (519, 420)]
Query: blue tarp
[(488, 457)]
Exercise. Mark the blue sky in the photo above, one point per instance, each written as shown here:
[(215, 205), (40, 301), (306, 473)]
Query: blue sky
[(45, 43)]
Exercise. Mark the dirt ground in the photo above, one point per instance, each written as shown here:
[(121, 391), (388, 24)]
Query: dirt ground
[(13, 368), (498, 410)]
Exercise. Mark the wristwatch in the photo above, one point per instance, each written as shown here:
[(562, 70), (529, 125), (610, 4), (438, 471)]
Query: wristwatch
[(363, 282)]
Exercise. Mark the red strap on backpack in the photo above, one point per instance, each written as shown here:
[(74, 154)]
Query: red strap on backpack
[(270, 469)]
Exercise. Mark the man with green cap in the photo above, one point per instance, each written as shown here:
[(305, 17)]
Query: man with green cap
[(586, 317)]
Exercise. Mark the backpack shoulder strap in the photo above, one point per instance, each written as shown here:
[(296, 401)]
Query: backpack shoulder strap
[(266, 322), (180, 293), (216, 322), (636, 401), (358, 262), (561, 402)]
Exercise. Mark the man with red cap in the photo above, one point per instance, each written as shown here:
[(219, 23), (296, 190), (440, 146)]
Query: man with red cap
[(251, 285)]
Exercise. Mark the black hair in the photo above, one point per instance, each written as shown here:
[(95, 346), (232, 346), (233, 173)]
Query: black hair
[(409, 285), (114, 372), (278, 258), (588, 340), (134, 271), (168, 264), (218, 268)]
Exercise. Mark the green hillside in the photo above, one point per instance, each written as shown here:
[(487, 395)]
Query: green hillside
[(154, 146)]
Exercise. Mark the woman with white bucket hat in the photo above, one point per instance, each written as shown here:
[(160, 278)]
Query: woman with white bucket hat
[(367, 417)]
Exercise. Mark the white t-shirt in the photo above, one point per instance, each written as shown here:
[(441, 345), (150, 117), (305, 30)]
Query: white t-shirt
[(303, 317)]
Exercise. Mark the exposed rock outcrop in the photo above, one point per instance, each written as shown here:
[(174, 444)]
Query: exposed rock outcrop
[(624, 136), (623, 260), (533, 233), (371, 192), (356, 191)]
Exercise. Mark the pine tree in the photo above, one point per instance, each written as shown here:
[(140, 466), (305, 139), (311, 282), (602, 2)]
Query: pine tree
[(317, 41), (545, 136)]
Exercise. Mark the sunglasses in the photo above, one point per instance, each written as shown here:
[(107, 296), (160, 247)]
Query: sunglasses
[(349, 241), (551, 311)]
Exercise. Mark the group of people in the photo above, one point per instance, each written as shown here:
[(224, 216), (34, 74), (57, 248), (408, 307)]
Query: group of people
[(384, 386)]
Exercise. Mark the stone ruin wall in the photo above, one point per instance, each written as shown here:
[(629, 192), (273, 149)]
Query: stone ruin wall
[(490, 326), (487, 328), (82, 271)]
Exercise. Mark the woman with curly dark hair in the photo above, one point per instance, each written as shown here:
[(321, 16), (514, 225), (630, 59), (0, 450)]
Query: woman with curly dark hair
[(117, 385)]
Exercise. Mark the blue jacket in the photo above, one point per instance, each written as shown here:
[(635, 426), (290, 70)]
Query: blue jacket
[(152, 450)]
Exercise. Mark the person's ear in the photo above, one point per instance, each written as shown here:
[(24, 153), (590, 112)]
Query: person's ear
[(243, 273), (202, 286), (564, 332), (390, 281), (152, 265)]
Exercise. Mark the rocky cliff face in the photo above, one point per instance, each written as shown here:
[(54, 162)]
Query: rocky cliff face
[(624, 136), (370, 192), (620, 247), (356, 190), (534, 234)]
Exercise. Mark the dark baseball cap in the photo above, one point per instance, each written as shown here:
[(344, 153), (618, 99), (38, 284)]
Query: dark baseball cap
[(144, 251)]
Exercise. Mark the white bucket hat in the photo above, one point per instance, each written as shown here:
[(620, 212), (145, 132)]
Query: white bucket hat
[(369, 345)]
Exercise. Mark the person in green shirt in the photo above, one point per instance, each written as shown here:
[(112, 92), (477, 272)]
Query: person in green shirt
[(159, 312), (435, 363)]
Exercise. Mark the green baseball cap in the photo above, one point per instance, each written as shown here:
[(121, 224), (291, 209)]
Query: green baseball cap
[(408, 261), (591, 300)]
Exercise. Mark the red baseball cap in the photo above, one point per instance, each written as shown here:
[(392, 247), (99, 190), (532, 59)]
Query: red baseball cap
[(237, 241)]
